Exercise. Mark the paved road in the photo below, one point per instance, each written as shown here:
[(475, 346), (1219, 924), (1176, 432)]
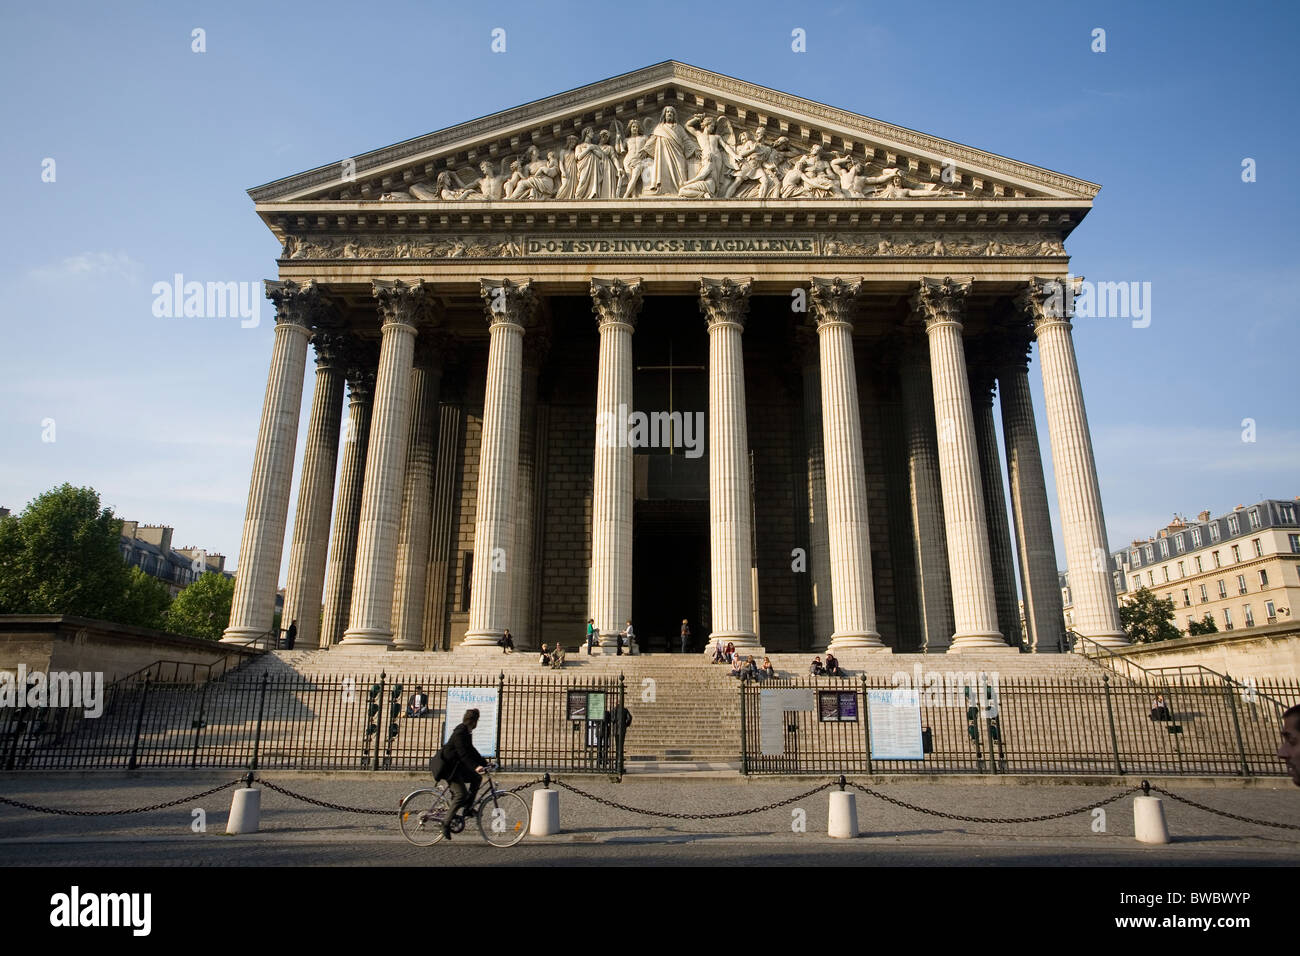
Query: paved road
[(294, 833)]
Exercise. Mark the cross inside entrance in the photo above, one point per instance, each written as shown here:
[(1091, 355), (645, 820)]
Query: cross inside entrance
[(670, 368)]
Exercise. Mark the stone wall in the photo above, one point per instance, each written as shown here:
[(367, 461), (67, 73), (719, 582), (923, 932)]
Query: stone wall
[(1271, 651)]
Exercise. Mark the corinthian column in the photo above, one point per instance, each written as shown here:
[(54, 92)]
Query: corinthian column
[(615, 304), (724, 303), (508, 306), (853, 602), (523, 592), (819, 543), (929, 537), (252, 608), (311, 527), (347, 509), (995, 507), (1077, 490), (371, 614), (942, 305), (417, 494), (1044, 617)]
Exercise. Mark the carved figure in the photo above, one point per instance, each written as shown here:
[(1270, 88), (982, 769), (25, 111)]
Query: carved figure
[(638, 165), (717, 158), (536, 179), (672, 146)]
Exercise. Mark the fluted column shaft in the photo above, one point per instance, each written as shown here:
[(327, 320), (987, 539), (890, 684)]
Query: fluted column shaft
[(1044, 616), (929, 537), (1078, 491), (370, 617), (508, 305), (995, 510), (819, 544), (615, 304), (724, 303), (417, 496), (311, 526), (522, 588), (853, 601), (252, 609), (347, 509), (969, 566)]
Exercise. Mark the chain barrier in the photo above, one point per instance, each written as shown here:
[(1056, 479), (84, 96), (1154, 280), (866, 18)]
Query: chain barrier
[(691, 816), (1224, 813), (112, 813), (377, 811), (966, 819)]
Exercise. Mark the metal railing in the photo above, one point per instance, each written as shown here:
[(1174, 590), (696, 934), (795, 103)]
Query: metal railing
[(1024, 725), (337, 723)]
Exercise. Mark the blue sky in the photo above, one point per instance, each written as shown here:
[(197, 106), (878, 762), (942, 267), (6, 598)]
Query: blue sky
[(155, 145)]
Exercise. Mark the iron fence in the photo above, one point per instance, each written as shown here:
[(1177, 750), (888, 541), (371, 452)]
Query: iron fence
[(338, 723), (1017, 725)]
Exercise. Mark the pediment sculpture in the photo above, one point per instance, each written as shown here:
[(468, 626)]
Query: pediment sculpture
[(705, 157)]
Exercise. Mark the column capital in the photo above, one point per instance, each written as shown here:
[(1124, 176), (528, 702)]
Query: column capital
[(834, 301), (941, 301), (615, 302), (331, 349), (400, 303), (725, 301), (362, 359), (1048, 301), (300, 307), (508, 303)]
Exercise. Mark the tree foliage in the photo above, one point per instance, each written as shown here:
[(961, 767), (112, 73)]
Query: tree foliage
[(1205, 625), (1147, 618), (203, 608), (62, 555)]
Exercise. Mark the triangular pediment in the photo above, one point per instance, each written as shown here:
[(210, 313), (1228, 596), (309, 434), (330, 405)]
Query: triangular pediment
[(618, 140)]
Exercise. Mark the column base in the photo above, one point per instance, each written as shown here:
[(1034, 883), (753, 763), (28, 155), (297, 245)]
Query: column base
[(367, 636), (482, 638), (242, 635), (857, 640), (990, 642)]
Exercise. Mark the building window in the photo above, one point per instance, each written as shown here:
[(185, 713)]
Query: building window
[(1287, 512), (1133, 556), (1164, 547), (1149, 552), (1169, 596), (1234, 525), (1259, 548), (1214, 531), (1115, 580), (1254, 518), (1164, 569), (1295, 543), (1236, 554), (1187, 598), (1197, 560), (1178, 542), (1263, 579), (1270, 612), (1196, 537), (1241, 584), (1151, 578), (1227, 618), (1182, 571), (1205, 595), (1217, 562), (1223, 590), (1248, 615)]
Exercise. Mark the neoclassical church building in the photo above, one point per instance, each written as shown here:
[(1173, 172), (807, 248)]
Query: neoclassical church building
[(673, 347)]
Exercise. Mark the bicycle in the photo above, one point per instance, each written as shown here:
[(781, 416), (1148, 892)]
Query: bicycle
[(503, 817)]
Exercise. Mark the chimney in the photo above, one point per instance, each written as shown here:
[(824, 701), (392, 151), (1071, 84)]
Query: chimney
[(1204, 515)]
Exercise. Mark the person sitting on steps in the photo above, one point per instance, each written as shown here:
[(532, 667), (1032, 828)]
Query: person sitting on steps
[(817, 669), (557, 656), (833, 666)]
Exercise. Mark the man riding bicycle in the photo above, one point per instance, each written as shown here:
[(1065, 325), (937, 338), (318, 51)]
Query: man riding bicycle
[(460, 765)]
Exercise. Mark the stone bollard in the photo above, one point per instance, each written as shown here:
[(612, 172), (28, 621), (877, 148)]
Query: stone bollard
[(1149, 820), (546, 813), (843, 820), (245, 808)]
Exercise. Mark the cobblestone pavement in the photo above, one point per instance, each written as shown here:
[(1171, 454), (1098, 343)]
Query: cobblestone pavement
[(294, 833)]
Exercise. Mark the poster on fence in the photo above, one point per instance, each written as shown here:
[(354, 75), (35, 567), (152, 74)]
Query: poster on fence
[(772, 708), (895, 719), (461, 699)]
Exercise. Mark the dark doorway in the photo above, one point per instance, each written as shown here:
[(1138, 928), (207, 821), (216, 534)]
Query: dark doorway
[(670, 578)]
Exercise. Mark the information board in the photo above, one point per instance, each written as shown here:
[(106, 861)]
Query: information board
[(461, 699), (895, 719)]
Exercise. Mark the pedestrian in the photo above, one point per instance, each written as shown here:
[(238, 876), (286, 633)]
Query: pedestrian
[(1289, 751), (461, 766), (719, 652), (418, 705), (686, 635), (506, 643), (816, 669), (591, 632), (1159, 709), (291, 635), (833, 666), (627, 632)]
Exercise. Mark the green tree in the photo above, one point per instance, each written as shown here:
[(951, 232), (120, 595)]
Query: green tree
[(1147, 618), (145, 602), (203, 608), (1205, 625)]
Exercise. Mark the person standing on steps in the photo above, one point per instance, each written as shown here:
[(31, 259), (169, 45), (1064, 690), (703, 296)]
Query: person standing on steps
[(291, 635), (591, 632), (686, 635)]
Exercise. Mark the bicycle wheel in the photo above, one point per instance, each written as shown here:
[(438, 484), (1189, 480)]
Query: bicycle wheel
[(421, 815), (503, 818)]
